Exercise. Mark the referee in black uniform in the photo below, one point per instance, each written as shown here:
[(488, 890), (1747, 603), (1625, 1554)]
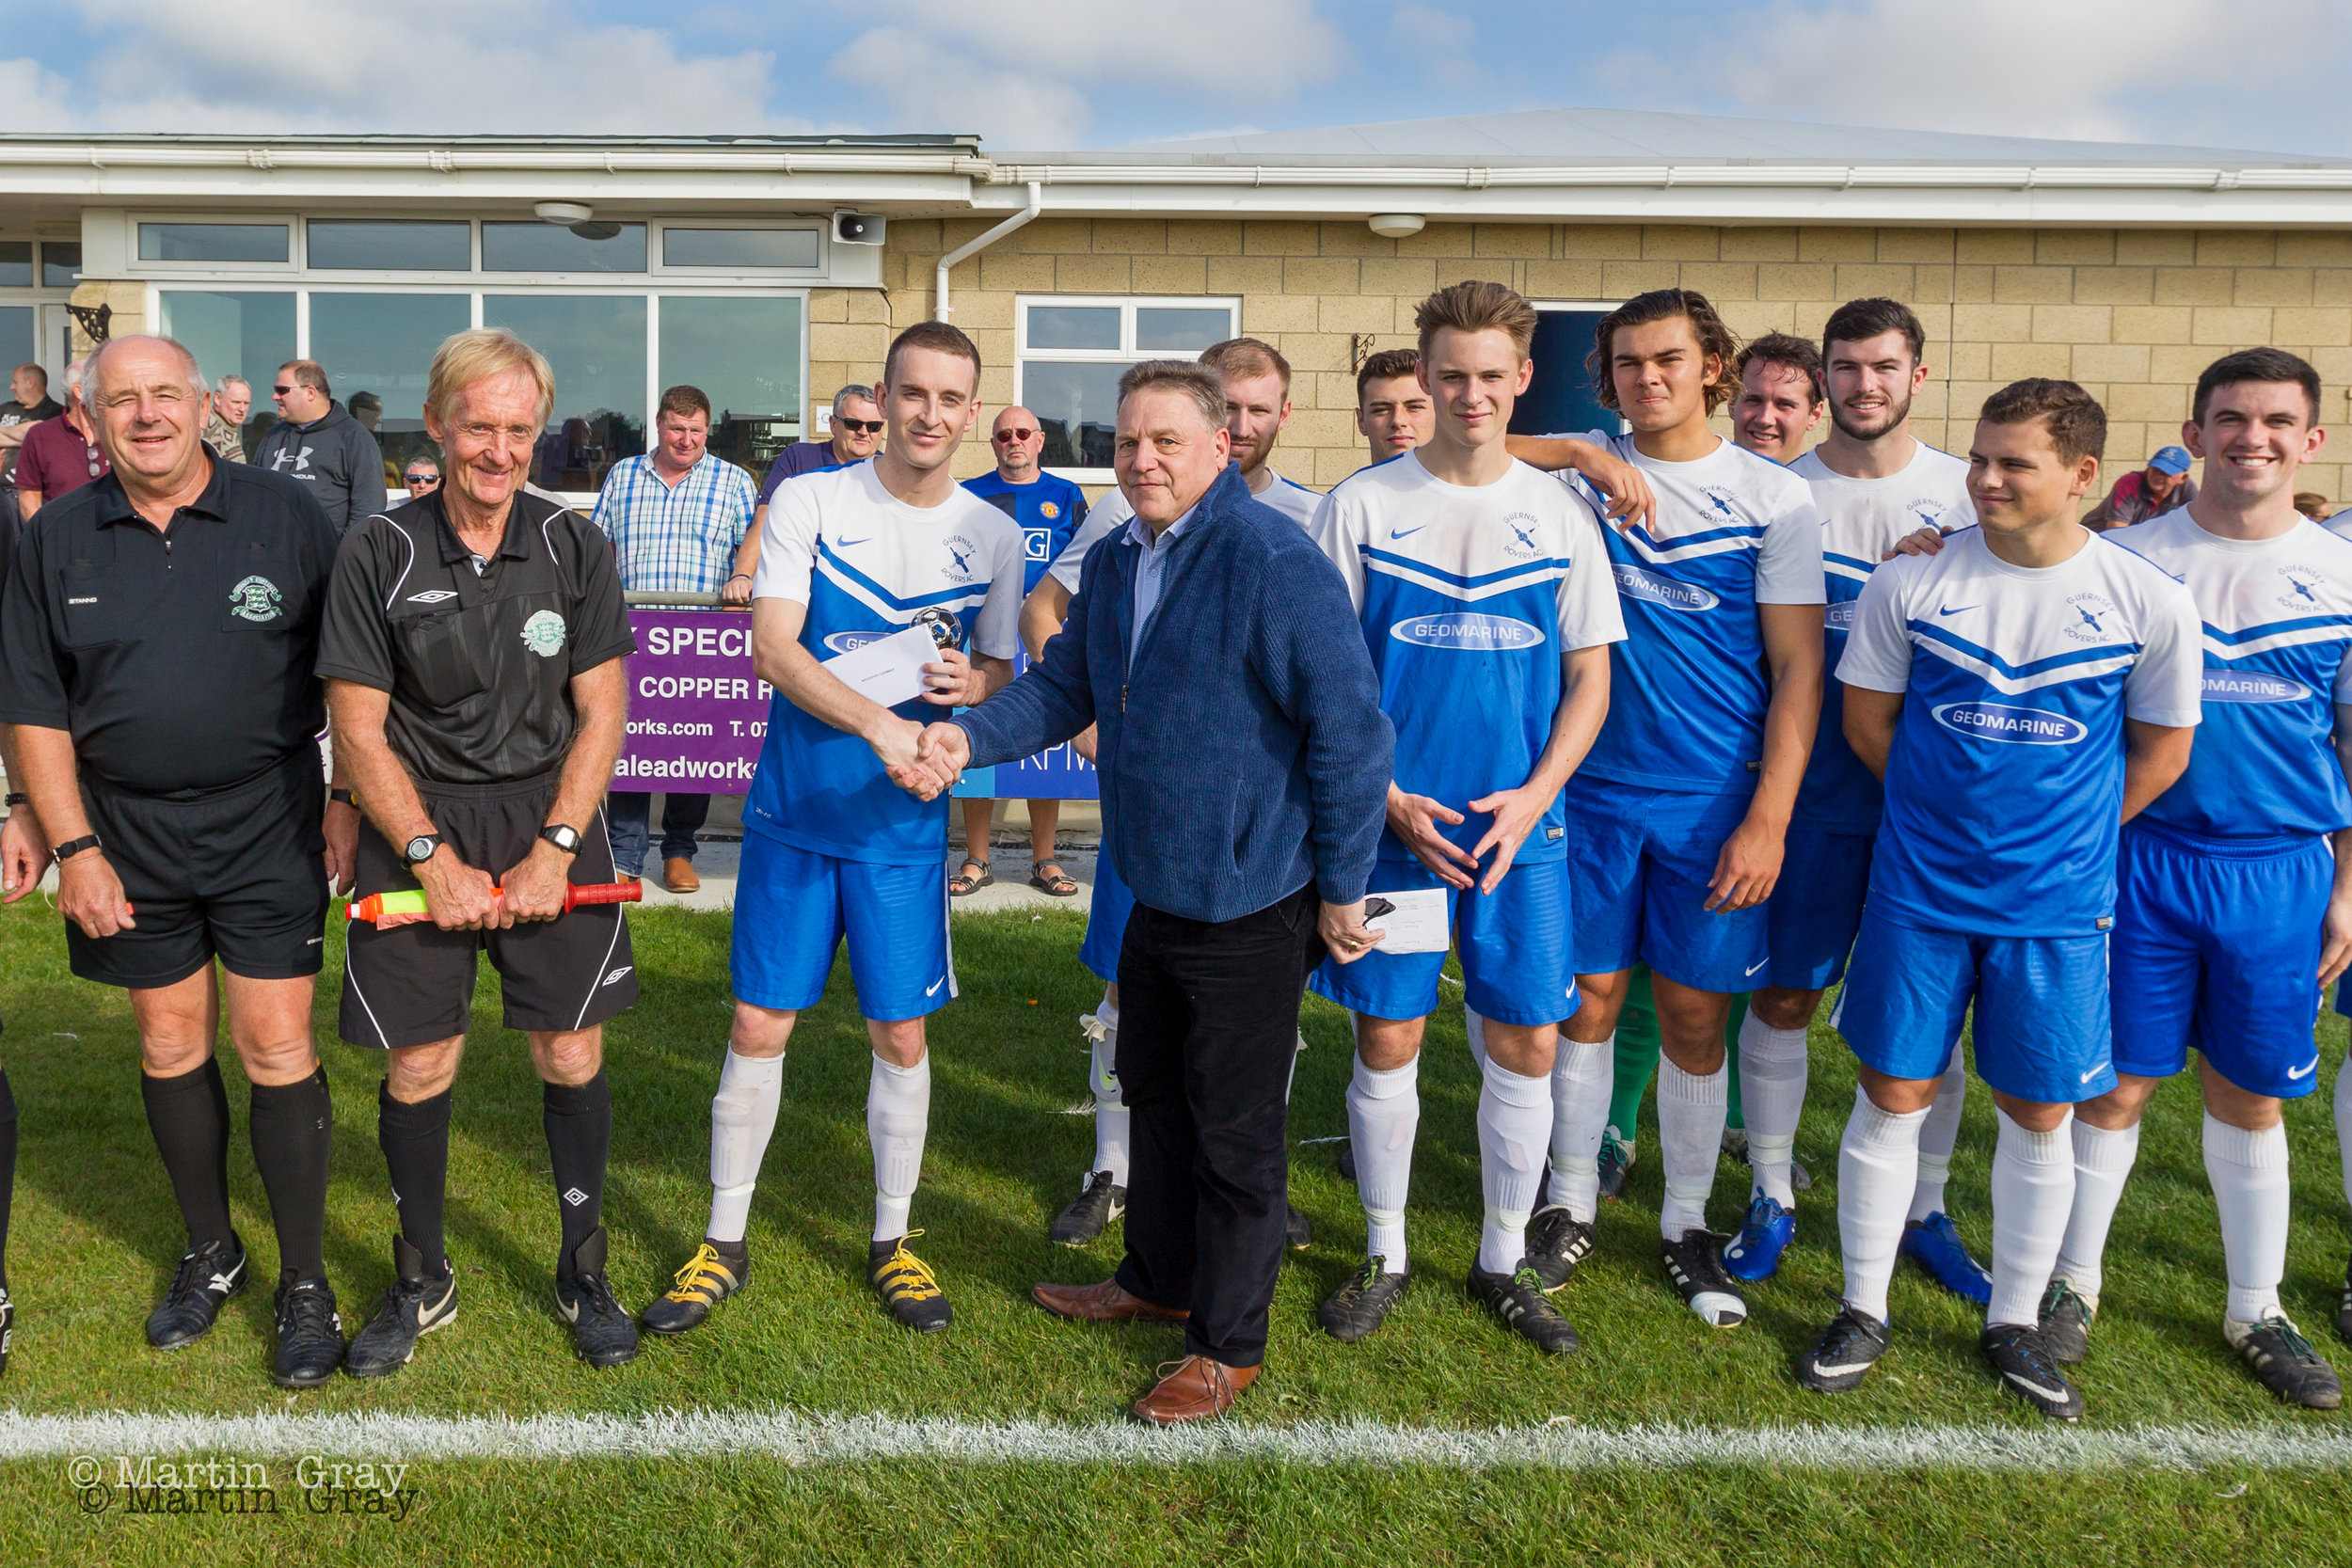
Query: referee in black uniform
[(473, 653), (160, 631)]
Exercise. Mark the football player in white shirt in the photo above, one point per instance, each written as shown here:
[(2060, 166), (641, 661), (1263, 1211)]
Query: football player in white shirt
[(1779, 402), (1875, 484), (1392, 408), (1257, 410), (1488, 607), (834, 846)]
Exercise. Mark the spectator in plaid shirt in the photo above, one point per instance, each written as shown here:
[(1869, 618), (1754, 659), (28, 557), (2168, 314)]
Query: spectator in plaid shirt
[(676, 516)]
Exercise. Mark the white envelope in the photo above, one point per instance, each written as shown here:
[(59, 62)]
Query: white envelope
[(1417, 924), (888, 670)]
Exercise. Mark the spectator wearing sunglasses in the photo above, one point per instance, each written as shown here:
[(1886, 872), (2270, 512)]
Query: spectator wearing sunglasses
[(59, 454), (1048, 509), (317, 442), (857, 428), (422, 476)]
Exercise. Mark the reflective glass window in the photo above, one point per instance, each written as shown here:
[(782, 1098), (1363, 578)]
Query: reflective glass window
[(742, 248), (1162, 329), (340, 245), (1073, 327), (60, 264), (234, 334), (377, 350), (745, 356), (16, 263), (212, 242), (1077, 408), (596, 345), (553, 247)]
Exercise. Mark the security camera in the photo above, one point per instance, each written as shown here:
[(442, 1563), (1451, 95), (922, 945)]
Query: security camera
[(858, 228)]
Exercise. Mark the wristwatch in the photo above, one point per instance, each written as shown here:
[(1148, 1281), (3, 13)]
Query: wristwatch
[(563, 837), (420, 848), (72, 847)]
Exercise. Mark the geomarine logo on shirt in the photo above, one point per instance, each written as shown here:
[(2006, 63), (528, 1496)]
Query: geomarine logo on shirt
[(1463, 629), (2246, 685), (1636, 583), (2013, 726)]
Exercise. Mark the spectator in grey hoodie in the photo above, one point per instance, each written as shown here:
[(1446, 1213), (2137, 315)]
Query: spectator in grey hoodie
[(317, 442)]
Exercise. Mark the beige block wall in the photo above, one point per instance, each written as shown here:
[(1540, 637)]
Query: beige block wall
[(2133, 315)]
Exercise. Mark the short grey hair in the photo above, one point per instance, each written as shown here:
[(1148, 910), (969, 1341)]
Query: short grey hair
[(1203, 386), (855, 389), (82, 375), (228, 381)]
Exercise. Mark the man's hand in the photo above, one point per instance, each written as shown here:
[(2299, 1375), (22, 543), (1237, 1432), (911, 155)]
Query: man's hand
[(534, 889), (1414, 819), (1084, 741), (1516, 812), (1344, 933), (954, 680), (940, 753), (90, 895), (461, 897), (24, 854), (1621, 484), (735, 592), (894, 740), (341, 828), (1747, 869), (1926, 540), (2335, 957)]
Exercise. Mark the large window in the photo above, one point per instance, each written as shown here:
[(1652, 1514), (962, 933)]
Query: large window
[(234, 334), (1562, 396), (344, 245), (17, 335), (376, 349), (1073, 351), (597, 346), (60, 264), (745, 356), (16, 263)]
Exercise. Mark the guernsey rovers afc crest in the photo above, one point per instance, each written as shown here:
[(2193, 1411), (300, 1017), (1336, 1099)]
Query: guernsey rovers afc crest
[(543, 634), (256, 600)]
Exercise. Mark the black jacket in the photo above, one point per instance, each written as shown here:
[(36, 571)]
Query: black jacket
[(336, 457)]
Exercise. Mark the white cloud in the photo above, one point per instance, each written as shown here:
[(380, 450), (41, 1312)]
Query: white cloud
[(2095, 70), (1028, 77), (1440, 42), (37, 99), (453, 66)]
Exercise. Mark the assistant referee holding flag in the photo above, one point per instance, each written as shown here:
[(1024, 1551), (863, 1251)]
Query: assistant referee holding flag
[(472, 655), (162, 628)]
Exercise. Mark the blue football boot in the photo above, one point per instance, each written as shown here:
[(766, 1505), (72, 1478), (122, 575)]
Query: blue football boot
[(1934, 1245), (1755, 1253)]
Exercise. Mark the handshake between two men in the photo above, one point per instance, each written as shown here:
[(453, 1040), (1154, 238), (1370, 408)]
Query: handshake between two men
[(926, 760)]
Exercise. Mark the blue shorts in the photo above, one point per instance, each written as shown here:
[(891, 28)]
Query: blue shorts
[(1106, 919), (2217, 946), (1817, 907), (792, 908), (1639, 862), (1514, 944), (2041, 1009)]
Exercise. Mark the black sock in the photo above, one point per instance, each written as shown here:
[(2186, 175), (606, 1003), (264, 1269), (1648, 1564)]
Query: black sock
[(189, 1117), (292, 1126), (7, 1168), (578, 1120), (415, 1140)]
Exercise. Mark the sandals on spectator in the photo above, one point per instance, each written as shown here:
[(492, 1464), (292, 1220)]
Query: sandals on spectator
[(1050, 880), (963, 881)]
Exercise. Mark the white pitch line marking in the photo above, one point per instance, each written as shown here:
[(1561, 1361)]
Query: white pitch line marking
[(808, 1439)]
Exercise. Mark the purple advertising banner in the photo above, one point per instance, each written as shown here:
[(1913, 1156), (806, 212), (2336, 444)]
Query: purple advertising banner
[(698, 716)]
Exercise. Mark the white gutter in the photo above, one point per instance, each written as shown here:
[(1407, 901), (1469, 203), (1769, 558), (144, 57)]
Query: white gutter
[(1662, 176), (971, 248), (457, 159)]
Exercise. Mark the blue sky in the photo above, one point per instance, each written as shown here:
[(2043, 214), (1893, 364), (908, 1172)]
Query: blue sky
[(1076, 73)]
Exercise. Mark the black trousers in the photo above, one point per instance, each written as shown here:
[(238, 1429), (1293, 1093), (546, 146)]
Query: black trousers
[(1208, 1018)]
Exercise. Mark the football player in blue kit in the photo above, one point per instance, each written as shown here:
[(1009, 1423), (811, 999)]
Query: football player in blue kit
[(2229, 908), (831, 846), (2021, 692), (1874, 484), (1488, 607)]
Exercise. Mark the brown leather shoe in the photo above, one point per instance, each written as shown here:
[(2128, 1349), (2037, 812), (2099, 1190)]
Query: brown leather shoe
[(1107, 1303), (1199, 1389), (678, 875)]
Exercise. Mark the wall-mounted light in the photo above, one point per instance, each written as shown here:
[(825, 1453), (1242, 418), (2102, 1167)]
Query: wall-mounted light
[(1396, 226), (578, 216)]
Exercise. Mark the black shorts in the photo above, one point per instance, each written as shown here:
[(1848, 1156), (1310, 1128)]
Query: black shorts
[(413, 984), (237, 873)]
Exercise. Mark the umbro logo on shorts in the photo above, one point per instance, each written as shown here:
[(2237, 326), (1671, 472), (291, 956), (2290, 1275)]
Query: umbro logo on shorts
[(433, 595), (614, 976)]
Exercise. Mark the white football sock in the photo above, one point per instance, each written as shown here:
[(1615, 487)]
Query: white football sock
[(898, 1115), (1937, 1139), (2033, 1194), (742, 1118), (2344, 1123), (1771, 1099), (1110, 1112), (2103, 1162), (1877, 1164), (2248, 1173), (1475, 1026), (1383, 1112), (1690, 1116), (1583, 1075), (1513, 1122)]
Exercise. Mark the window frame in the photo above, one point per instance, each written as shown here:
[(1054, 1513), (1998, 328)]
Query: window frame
[(141, 267), (1126, 353)]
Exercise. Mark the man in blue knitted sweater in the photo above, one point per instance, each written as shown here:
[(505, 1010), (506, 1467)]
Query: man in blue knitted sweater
[(1245, 767)]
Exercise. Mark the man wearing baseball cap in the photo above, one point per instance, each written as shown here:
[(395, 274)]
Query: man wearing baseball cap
[(2150, 491)]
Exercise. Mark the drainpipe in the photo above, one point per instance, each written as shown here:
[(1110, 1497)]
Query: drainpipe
[(965, 252)]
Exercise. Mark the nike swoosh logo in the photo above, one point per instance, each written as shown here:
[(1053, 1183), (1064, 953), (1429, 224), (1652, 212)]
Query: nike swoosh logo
[(1845, 1370), (1404, 532), (2103, 1067), (1960, 610), (935, 986), (2057, 1396), (845, 544), (569, 1309), (2307, 1071), (1754, 967)]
